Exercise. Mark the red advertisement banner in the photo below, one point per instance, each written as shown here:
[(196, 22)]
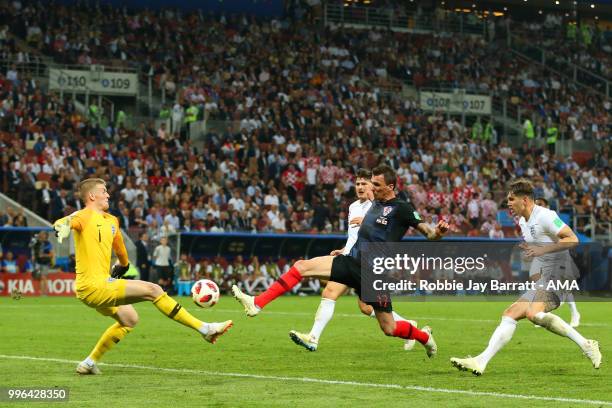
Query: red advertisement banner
[(22, 284)]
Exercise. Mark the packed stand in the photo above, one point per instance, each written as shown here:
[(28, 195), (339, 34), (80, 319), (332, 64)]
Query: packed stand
[(302, 127), (584, 45), (268, 184), (221, 65)]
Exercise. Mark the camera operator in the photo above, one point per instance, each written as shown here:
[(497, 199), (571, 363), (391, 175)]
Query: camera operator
[(43, 256)]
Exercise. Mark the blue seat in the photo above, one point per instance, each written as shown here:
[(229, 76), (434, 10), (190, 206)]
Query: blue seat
[(62, 262), (505, 219), (566, 218)]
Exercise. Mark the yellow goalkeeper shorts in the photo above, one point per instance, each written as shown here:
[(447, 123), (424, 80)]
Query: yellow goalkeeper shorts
[(104, 296)]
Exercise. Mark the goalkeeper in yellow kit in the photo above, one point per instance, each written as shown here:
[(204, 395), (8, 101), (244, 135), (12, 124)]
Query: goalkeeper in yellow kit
[(96, 235)]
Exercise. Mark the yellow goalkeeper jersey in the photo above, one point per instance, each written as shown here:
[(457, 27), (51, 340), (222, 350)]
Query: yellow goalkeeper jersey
[(95, 236)]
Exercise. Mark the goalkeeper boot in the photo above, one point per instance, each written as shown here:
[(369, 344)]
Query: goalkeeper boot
[(217, 329), (86, 368)]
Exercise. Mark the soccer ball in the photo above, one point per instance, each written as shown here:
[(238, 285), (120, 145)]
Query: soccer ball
[(205, 293)]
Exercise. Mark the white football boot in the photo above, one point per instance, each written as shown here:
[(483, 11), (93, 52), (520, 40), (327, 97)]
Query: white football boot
[(217, 329), (467, 364), (85, 368), (431, 347), (305, 340), (591, 350), (247, 301)]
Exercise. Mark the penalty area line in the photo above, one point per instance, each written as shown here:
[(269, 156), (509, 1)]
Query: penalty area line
[(322, 381)]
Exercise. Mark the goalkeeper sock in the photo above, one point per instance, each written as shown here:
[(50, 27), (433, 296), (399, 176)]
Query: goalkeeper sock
[(501, 336), (109, 338), (284, 284), (175, 311), (323, 316)]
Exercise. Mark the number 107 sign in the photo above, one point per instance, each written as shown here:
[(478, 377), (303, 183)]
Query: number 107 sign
[(82, 81), (455, 103)]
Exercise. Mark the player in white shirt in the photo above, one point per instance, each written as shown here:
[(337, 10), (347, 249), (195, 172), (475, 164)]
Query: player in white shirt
[(547, 240), (333, 290), (569, 297)]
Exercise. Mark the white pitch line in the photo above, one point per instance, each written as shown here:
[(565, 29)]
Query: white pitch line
[(359, 315), (353, 315), (324, 381)]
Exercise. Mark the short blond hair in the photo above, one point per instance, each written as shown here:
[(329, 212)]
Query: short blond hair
[(87, 185)]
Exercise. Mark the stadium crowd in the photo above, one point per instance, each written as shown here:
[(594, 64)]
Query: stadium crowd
[(586, 45), (221, 61), (306, 107), (308, 113), (305, 125)]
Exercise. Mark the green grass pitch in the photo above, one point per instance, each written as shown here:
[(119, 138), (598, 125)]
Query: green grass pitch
[(164, 364)]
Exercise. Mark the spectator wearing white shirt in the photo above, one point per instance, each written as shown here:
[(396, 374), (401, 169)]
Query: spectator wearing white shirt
[(497, 232), (129, 193), (271, 199), (236, 201), (12, 75), (162, 261), (177, 118), (473, 210), (173, 219), (488, 226)]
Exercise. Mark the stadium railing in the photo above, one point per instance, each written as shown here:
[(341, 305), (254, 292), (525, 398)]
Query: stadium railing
[(561, 66), (404, 20)]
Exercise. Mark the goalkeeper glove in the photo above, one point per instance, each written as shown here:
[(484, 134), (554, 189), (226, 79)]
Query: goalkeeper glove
[(62, 229), (118, 270)]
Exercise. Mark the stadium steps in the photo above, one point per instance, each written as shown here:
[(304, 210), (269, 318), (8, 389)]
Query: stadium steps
[(35, 220), (39, 70), (586, 79)]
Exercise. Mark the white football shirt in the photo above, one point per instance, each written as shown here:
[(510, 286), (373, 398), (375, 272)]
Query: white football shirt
[(356, 209), (542, 228)]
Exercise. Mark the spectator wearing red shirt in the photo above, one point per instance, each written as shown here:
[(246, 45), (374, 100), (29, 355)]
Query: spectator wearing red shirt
[(293, 179), (327, 175)]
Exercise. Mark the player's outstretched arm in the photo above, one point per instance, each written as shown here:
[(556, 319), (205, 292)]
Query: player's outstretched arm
[(433, 234), (63, 226)]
